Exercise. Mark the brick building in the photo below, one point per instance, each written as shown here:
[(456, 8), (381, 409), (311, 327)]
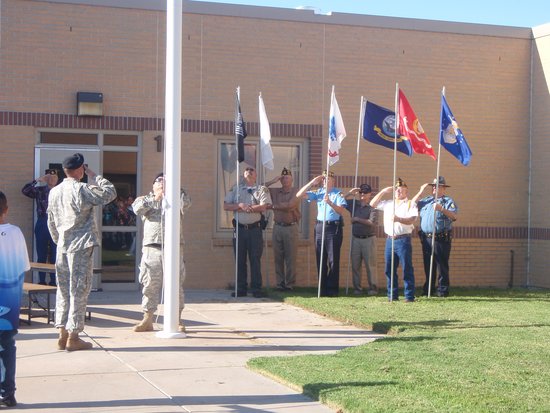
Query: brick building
[(497, 81)]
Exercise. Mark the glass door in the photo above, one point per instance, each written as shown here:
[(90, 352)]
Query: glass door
[(120, 242)]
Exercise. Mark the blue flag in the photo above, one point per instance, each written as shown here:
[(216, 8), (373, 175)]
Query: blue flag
[(379, 128), (451, 137)]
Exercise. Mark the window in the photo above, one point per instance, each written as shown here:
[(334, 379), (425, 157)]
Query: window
[(289, 154)]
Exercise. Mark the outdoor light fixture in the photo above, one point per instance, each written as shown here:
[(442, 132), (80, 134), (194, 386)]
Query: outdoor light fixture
[(89, 104), (159, 141)]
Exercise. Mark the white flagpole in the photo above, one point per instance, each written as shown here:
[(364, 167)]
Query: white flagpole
[(359, 130), (238, 192), (173, 170), (435, 201), (393, 184)]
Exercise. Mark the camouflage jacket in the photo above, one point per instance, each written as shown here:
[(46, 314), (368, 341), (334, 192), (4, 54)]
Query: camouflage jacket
[(71, 214), (150, 212)]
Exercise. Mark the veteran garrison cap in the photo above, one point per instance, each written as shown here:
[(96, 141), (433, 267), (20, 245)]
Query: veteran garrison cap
[(286, 172), (330, 173), (74, 161), (400, 183)]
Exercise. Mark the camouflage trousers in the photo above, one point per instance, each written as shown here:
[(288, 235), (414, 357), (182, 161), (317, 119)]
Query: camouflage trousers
[(150, 277), (74, 282)]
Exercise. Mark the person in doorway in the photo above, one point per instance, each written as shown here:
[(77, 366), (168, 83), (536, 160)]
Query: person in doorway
[(438, 212), (399, 218), (72, 223), (149, 208), (14, 262), (363, 240), (331, 207), (286, 213), (46, 250), (248, 201)]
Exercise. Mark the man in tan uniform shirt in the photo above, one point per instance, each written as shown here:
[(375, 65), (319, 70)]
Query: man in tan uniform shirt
[(286, 213)]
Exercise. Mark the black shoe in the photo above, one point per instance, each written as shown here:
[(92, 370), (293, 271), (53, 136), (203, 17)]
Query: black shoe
[(52, 283), (442, 295), (259, 294), (42, 283), (239, 294), (8, 401)]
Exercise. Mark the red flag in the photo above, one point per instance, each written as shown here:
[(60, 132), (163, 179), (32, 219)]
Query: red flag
[(410, 127)]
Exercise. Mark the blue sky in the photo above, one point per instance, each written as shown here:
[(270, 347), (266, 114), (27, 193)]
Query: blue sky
[(520, 13)]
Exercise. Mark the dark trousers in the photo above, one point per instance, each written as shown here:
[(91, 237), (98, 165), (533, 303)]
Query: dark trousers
[(251, 246), (330, 265), (43, 241), (8, 358), (440, 270)]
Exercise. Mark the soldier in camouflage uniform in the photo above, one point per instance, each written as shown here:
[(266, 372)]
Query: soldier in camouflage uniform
[(149, 208), (72, 224)]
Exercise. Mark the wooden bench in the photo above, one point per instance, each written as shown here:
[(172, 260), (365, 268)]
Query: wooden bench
[(34, 291)]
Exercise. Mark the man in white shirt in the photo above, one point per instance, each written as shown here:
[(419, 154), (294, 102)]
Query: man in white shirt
[(399, 218)]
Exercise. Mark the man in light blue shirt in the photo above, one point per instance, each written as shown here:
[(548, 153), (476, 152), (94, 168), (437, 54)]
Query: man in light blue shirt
[(438, 212), (331, 207)]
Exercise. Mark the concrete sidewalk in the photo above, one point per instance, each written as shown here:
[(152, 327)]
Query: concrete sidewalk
[(205, 372)]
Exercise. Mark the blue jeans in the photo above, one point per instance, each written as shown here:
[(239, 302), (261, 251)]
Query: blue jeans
[(7, 357), (402, 253), (44, 241)]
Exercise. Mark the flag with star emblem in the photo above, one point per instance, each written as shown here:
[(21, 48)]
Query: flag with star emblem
[(451, 137)]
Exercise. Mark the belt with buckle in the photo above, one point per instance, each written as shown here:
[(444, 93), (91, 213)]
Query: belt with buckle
[(250, 226), (399, 236), (363, 236), (285, 224), (443, 235), (329, 222)]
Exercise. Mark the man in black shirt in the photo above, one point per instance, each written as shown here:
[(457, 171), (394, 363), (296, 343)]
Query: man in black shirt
[(363, 244)]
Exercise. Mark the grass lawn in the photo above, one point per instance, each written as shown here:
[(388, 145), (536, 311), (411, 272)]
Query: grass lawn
[(480, 350)]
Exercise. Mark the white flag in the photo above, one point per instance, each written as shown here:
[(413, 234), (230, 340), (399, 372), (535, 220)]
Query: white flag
[(336, 131), (265, 137)]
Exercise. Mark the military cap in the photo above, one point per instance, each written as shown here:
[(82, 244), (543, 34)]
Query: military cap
[(157, 178), (365, 189), (400, 183), (74, 161), (442, 182), (286, 172)]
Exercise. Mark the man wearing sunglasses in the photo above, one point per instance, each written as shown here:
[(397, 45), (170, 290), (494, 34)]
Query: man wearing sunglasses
[(248, 201)]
